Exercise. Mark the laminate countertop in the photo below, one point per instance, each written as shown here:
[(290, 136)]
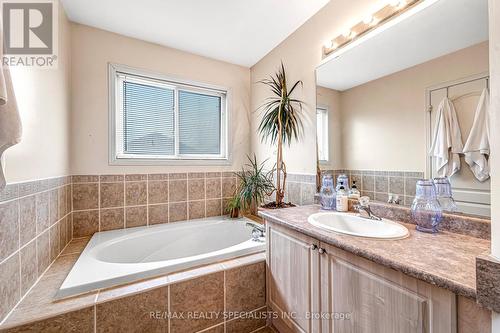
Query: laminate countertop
[(444, 259)]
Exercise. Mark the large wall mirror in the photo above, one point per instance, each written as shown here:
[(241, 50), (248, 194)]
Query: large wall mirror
[(386, 101)]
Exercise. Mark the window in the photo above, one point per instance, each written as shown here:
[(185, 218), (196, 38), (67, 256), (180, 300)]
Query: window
[(322, 133), (160, 120)]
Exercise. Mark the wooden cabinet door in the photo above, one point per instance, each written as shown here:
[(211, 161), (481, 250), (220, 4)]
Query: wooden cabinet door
[(292, 279), (363, 297)]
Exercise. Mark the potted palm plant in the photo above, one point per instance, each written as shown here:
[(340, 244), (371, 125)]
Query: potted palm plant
[(281, 122), (254, 185)]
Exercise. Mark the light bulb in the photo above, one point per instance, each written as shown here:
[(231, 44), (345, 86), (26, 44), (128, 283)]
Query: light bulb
[(328, 45), (347, 33)]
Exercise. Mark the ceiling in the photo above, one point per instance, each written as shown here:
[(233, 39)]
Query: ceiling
[(430, 30), (237, 31)]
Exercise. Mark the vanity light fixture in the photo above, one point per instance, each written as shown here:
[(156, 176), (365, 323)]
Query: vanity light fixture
[(370, 22)]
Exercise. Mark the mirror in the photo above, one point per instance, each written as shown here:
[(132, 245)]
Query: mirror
[(379, 97)]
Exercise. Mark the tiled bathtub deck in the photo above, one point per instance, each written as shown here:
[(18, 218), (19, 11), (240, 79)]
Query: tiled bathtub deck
[(196, 299)]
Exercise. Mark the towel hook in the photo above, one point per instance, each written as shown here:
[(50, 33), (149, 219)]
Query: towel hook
[(447, 91), (487, 83)]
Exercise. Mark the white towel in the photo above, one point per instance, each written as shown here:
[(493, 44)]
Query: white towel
[(447, 142), (477, 147), (10, 122)]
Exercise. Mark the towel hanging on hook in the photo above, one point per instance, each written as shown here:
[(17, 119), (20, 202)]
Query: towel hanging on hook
[(447, 140), (477, 147)]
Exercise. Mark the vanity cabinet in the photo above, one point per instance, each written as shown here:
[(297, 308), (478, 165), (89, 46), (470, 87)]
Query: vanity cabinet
[(316, 287)]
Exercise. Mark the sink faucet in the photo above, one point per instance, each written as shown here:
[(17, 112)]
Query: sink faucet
[(363, 208), (258, 231)]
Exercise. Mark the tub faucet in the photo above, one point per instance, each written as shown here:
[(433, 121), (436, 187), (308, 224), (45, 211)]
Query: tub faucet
[(258, 231), (364, 210)]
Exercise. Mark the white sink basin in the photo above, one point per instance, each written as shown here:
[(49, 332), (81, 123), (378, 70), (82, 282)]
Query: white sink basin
[(354, 225)]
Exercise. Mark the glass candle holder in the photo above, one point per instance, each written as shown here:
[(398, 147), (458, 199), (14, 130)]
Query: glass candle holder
[(444, 195), (327, 193), (426, 211)]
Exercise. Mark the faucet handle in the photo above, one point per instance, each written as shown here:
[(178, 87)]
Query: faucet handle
[(364, 201)]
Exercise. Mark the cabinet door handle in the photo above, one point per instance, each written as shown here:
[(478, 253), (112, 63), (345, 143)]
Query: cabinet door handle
[(321, 250), (314, 247)]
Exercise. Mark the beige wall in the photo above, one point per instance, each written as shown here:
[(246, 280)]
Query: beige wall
[(301, 52), (92, 50), (43, 97), (383, 121), (330, 99)]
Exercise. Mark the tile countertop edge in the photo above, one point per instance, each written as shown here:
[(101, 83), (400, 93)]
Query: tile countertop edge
[(425, 276)]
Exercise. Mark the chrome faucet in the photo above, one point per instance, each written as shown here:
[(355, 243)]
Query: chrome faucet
[(258, 231), (364, 210)]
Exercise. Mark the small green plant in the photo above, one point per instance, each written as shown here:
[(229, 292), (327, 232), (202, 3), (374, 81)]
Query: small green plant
[(234, 205), (254, 185)]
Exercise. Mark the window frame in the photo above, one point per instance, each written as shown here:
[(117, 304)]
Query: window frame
[(118, 157), (325, 110)]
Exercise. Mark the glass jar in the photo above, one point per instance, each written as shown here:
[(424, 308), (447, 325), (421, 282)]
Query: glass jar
[(327, 193), (343, 179), (426, 211), (444, 195)]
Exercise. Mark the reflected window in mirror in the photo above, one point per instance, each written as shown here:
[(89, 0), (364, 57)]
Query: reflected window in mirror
[(322, 133)]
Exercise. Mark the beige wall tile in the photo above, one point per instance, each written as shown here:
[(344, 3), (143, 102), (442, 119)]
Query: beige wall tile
[(111, 178), (9, 228), (246, 287), (136, 177), (177, 190), (158, 192), (177, 211), (29, 267), (133, 313), (27, 219), (85, 223), (158, 214), (112, 219), (177, 175), (10, 285), (254, 321), (136, 216), (214, 207), (62, 233), (203, 294), (158, 176), (42, 212), (54, 241), (62, 202), (74, 321), (85, 196), (43, 251), (213, 188), (228, 187), (196, 209), (111, 194), (135, 193), (84, 179), (53, 206), (196, 189)]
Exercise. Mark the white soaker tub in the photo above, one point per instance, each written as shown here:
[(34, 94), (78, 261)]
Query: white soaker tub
[(126, 255)]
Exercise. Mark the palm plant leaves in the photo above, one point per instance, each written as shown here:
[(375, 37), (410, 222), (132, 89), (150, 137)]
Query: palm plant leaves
[(282, 105)]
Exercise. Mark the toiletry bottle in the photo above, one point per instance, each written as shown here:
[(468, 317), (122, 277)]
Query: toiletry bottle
[(354, 192), (342, 200), (327, 193)]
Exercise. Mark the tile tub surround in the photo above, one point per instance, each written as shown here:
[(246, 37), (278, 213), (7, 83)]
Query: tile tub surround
[(35, 226), (446, 259), (231, 286), (108, 202), (378, 184)]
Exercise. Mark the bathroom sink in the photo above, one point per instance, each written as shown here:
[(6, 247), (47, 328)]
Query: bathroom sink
[(354, 225)]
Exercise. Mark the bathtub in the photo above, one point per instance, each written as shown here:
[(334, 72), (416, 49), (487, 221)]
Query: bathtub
[(126, 255)]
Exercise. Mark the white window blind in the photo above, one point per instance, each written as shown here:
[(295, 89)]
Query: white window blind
[(157, 119), (322, 133)]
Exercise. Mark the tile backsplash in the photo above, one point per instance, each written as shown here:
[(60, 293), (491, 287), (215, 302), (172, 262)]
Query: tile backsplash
[(108, 202), (35, 226), (378, 184)]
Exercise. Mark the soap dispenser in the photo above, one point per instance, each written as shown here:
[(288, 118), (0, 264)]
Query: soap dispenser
[(342, 200), (354, 192)]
